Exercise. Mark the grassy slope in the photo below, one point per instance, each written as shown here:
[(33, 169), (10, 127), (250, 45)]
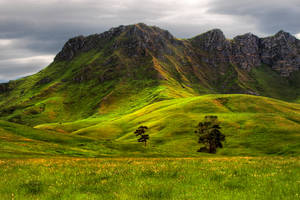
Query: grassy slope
[(206, 178), (269, 83), (22, 141), (108, 113), (63, 99), (253, 126)]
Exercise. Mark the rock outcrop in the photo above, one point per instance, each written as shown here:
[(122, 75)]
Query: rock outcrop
[(135, 39), (142, 39), (77, 45), (215, 44), (281, 51), (246, 51)]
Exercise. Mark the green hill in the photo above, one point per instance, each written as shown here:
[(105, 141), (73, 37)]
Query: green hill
[(252, 125), (100, 88)]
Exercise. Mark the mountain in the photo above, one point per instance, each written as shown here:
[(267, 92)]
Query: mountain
[(96, 83)]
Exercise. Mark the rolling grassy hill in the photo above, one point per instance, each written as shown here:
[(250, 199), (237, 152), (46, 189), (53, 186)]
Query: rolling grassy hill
[(253, 126), (19, 141)]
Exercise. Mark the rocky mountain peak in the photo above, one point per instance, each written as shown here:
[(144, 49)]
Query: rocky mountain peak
[(79, 44), (280, 51), (246, 36), (211, 40), (136, 39), (142, 39), (72, 46), (216, 34), (246, 51), (282, 35)]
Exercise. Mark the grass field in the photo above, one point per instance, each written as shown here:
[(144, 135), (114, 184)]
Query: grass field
[(151, 178), (56, 160)]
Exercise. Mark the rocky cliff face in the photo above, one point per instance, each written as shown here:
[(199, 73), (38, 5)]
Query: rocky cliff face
[(140, 40), (281, 51), (136, 39), (215, 44), (80, 44), (245, 51)]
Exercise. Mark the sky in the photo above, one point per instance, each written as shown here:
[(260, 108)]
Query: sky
[(32, 32)]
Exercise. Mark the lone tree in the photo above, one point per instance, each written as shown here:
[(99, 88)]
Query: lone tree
[(140, 132), (210, 135)]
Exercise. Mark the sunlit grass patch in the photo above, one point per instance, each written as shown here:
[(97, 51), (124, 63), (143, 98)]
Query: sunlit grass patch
[(151, 178), (252, 125)]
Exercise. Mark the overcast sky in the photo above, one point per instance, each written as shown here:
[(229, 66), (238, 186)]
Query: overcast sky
[(33, 31)]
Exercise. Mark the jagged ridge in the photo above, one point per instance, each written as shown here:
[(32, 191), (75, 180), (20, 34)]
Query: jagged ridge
[(281, 51)]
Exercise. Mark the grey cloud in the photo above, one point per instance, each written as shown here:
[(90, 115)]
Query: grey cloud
[(55, 21), (42, 27), (39, 28), (269, 16), (15, 68)]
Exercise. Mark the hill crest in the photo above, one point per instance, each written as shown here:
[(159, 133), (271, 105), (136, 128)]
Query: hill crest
[(280, 51)]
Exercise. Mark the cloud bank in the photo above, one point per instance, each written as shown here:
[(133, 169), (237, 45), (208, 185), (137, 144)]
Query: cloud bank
[(32, 32)]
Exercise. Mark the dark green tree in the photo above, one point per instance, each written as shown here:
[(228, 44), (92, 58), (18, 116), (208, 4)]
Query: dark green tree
[(141, 133), (210, 135)]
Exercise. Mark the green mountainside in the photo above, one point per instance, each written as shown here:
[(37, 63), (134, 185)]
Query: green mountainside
[(100, 88)]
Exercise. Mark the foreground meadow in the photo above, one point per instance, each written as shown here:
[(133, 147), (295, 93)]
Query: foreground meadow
[(151, 178)]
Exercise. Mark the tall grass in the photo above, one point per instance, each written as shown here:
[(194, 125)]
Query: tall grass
[(141, 178)]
